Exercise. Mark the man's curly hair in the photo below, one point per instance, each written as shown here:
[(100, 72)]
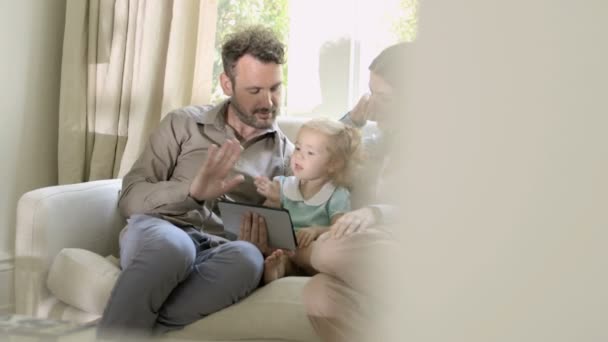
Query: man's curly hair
[(258, 41)]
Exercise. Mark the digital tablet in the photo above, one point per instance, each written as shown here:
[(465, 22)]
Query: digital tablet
[(278, 222)]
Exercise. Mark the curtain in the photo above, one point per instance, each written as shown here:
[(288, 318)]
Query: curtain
[(127, 63)]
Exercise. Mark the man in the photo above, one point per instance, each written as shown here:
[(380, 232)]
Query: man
[(172, 273)]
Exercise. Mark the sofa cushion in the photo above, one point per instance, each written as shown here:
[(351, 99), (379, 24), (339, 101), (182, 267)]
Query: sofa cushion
[(85, 280), (273, 312), (82, 279)]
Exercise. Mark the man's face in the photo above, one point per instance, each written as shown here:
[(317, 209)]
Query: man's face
[(382, 102), (255, 91)]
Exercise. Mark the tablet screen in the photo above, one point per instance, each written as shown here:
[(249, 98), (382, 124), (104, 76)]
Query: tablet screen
[(278, 222)]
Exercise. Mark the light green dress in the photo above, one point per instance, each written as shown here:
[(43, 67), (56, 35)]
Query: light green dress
[(317, 210)]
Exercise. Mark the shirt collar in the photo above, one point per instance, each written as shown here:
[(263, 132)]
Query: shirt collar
[(291, 190)]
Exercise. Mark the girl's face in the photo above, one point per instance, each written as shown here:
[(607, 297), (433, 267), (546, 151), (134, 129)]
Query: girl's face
[(310, 160)]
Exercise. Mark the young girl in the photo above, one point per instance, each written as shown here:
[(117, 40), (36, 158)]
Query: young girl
[(316, 195)]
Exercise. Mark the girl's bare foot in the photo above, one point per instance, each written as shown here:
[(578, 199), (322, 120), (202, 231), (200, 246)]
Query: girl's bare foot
[(275, 266)]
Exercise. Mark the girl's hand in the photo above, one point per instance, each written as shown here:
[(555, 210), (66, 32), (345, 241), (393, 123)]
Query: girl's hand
[(306, 236), (267, 188)]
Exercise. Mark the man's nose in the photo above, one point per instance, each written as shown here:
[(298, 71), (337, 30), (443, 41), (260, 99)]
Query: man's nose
[(267, 99)]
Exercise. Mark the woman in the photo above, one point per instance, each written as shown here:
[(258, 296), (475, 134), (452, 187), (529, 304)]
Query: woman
[(342, 300), (351, 258)]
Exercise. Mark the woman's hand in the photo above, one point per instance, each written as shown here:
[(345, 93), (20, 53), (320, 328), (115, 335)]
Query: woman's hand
[(306, 236), (361, 112), (351, 222)]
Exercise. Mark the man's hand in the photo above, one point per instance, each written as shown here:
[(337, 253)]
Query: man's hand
[(211, 180), (267, 188), (361, 112), (306, 236), (253, 229), (351, 222)]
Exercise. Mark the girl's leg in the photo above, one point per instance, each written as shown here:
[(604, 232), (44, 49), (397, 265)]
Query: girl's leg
[(277, 265), (302, 260)]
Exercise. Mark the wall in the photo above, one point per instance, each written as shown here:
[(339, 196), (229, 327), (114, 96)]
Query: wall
[(506, 183), (31, 32)]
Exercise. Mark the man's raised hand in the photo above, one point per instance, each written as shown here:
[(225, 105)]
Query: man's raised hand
[(211, 179)]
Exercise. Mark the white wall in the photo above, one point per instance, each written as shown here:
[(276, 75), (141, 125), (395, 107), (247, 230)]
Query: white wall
[(506, 180), (31, 32)]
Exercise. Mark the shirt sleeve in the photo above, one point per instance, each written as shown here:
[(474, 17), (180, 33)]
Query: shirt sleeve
[(387, 213), (339, 202), (280, 179), (348, 120), (147, 188)]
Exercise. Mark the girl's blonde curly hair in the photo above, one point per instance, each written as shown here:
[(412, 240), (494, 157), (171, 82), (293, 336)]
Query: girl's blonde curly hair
[(344, 148)]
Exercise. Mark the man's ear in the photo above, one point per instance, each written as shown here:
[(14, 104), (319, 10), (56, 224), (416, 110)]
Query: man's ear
[(226, 84)]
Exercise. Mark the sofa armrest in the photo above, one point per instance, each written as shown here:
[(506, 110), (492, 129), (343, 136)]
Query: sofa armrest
[(83, 215)]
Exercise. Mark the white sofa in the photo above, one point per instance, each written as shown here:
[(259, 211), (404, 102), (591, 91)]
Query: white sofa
[(84, 219)]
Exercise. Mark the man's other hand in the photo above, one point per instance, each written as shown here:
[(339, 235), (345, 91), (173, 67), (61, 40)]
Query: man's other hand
[(253, 229)]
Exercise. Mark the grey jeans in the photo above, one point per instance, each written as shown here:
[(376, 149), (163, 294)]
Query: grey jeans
[(172, 277)]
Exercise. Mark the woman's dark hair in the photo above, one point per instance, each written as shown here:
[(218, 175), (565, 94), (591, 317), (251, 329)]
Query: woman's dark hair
[(389, 63)]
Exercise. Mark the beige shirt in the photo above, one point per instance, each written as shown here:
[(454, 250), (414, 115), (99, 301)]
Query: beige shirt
[(159, 181)]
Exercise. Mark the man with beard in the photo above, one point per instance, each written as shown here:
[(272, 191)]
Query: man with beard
[(173, 273)]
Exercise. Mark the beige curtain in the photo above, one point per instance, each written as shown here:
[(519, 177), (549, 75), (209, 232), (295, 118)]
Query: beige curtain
[(126, 63)]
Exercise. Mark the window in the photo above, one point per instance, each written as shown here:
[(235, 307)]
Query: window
[(330, 45)]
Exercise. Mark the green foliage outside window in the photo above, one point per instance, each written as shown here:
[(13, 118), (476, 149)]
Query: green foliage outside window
[(406, 28)]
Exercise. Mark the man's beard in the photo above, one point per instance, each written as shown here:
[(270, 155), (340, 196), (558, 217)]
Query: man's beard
[(250, 119)]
